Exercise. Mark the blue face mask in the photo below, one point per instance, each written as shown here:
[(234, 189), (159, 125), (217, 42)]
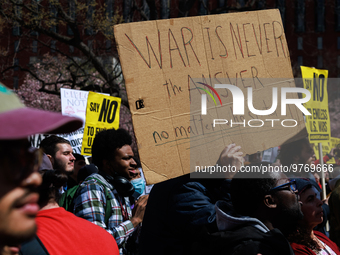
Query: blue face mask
[(139, 185)]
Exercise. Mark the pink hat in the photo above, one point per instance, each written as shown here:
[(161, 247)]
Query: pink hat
[(18, 121)]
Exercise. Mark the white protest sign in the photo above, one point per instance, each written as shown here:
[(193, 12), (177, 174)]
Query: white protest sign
[(73, 103)]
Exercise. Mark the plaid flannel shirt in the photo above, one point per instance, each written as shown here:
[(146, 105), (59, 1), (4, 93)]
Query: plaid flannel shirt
[(90, 204)]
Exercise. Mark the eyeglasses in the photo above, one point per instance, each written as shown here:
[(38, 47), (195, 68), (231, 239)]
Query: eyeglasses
[(286, 186), (20, 160)]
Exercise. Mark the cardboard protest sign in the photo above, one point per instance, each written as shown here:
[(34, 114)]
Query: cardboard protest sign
[(318, 123), (102, 112), (169, 65)]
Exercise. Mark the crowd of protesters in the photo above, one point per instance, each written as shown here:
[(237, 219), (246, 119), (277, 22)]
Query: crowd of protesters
[(53, 202)]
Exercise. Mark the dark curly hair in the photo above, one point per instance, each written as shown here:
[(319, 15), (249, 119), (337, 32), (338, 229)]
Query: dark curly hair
[(248, 190), (52, 181), (105, 144), (49, 144)]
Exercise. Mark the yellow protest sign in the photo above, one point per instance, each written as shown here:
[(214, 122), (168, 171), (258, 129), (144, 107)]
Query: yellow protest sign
[(102, 112), (318, 123), (335, 143), (326, 149)]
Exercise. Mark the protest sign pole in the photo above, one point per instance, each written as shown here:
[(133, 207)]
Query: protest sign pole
[(323, 180), (322, 173)]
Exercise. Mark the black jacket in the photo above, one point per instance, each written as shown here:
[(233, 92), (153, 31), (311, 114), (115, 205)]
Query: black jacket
[(179, 212), (239, 235), (248, 240)]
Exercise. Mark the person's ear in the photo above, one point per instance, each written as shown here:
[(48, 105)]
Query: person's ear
[(269, 201), (50, 158)]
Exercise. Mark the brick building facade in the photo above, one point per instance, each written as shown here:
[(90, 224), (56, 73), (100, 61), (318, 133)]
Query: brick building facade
[(312, 30)]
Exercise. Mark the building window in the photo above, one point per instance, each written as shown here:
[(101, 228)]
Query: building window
[(16, 64), (165, 10), (204, 5), (53, 46), (127, 10), (300, 16), (35, 46), (100, 59), (109, 9), (261, 4), (107, 63), (16, 27), (16, 30), (108, 45), (69, 30), (300, 43), (78, 60), (221, 4), (337, 15), (54, 15), (240, 3), (71, 49), (35, 14), (320, 62), (89, 43), (89, 17), (33, 60), (281, 5), (300, 61), (16, 46), (146, 9), (15, 82), (320, 16), (72, 13), (320, 43), (109, 14)]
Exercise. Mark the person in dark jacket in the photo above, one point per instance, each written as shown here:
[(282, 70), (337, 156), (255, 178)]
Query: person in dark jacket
[(264, 208), (180, 211)]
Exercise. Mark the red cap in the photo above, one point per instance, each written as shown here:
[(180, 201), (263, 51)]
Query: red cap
[(18, 121)]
